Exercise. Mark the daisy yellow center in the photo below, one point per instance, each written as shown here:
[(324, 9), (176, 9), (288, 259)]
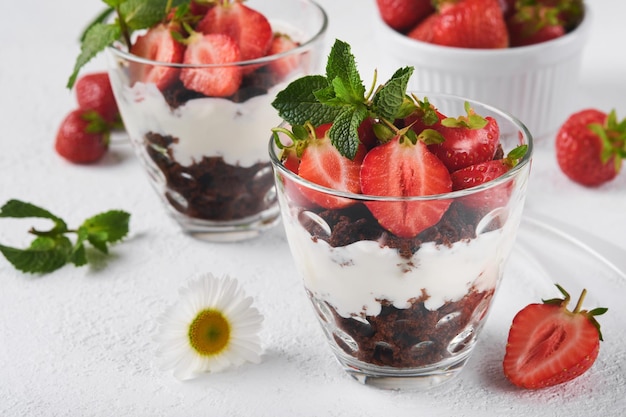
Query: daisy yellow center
[(209, 332)]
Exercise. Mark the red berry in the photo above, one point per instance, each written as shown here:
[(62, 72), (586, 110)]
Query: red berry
[(157, 44), (582, 153), (549, 345), (465, 24), (402, 15), (400, 169), (284, 66), (219, 81), (94, 92), (322, 164), (247, 27), (534, 24), (83, 137)]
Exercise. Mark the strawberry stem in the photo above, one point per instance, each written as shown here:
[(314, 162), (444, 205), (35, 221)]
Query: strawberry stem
[(579, 304)]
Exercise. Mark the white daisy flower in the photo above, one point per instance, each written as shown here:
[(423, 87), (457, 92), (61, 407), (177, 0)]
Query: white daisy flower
[(211, 328)]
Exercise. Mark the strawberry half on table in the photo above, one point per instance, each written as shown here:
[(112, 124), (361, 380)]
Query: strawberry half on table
[(549, 344)]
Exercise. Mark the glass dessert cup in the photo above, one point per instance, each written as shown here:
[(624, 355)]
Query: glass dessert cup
[(404, 313), (206, 156)]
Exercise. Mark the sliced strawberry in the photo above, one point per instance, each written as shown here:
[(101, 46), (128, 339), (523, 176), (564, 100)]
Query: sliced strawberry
[(217, 81), (83, 137), (484, 172), (322, 164), (468, 140), (549, 345), (157, 44), (284, 66), (94, 92), (402, 169), (247, 27)]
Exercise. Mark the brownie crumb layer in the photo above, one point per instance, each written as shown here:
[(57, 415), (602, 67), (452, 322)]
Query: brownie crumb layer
[(211, 189), (415, 336)]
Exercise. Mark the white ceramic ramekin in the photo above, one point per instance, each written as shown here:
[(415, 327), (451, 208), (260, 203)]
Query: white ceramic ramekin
[(533, 83)]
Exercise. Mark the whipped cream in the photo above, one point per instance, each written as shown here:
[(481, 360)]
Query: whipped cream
[(355, 278), (238, 132)]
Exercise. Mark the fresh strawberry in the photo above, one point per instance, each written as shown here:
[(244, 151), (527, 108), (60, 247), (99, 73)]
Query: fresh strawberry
[(219, 81), (550, 345), (403, 15), (590, 146), (322, 164), (200, 7), (483, 172), (94, 92), (284, 66), (83, 137), (464, 24), (400, 168), (534, 24), (157, 44), (247, 27), (508, 7), (468, 140), (367, 136)]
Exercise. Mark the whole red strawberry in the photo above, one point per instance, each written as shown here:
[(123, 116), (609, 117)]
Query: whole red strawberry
[(403, 15), (83, 137), (535, 24), (94, 92), (590, 146), (464, 24), (550, 345)]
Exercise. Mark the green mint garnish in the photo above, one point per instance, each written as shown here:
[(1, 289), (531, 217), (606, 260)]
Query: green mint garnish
[(340, 97), (52, 249), (131, 15)]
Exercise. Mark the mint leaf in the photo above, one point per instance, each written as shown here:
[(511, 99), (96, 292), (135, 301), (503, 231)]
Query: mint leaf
[(52, 249), (110, 226), (97, 38), (342, 72), (297, 103), (388, 101), (344, 133), (45, 254), (141, 14), (101, 18)]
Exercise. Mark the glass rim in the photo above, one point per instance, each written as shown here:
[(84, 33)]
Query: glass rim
[(119, 49), (452, 195)]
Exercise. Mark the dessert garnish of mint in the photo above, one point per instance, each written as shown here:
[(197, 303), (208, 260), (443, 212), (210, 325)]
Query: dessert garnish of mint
[(340, 98), (131, 15), (52, 249)]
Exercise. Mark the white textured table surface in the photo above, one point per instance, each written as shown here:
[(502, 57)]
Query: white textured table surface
[(78, 342)]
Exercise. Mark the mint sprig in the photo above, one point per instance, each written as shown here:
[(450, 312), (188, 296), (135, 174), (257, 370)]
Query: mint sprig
[(131, 15), (52, 249), (340, 97)]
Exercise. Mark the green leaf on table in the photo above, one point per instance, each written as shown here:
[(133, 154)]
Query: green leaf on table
[(45, 254), (21, 209)]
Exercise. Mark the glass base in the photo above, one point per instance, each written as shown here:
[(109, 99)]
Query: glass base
[(227, 231), (406, 379)]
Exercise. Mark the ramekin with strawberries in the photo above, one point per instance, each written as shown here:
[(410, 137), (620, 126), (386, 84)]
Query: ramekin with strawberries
[(522, 56), (194, 91), (400, 211)]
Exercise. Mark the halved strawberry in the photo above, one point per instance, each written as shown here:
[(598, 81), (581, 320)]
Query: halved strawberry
[(247, 27), (469, 140), (484, 172), (322, 164), (400, 168), (157, 44), (549, 345), (284, 66), (218, 81)]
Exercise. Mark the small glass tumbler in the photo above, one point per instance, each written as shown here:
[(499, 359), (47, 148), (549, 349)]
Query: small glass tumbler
[(206, 156), (405, 313)]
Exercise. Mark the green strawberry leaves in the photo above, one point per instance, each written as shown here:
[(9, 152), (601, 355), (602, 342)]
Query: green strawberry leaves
[(52, 249), (340, 97)]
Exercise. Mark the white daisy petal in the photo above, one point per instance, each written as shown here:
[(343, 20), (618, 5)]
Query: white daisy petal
[(211, 328)]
